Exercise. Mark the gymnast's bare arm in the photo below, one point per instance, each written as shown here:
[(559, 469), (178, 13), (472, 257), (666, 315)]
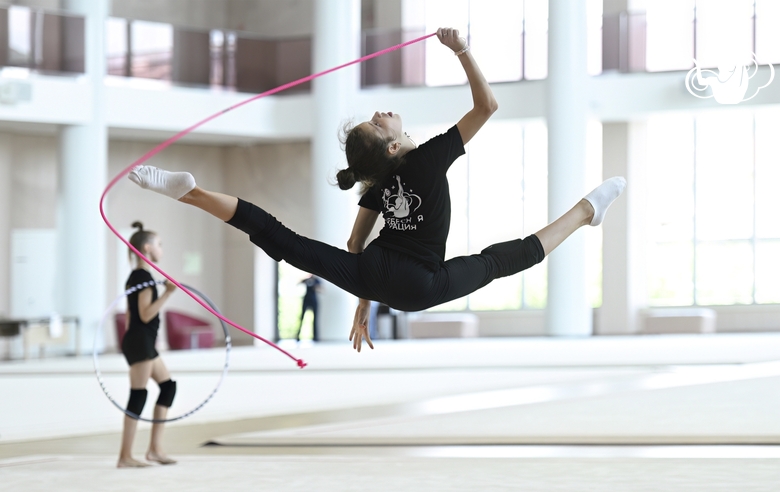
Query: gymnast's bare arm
[(484, 102), (147, 309), (364, 224)]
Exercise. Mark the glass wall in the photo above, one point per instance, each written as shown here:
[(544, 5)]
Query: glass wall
[(37, 40), (222, 59), (669, 34), (510, 37), (712, 201), (290, 302), (499, 193)]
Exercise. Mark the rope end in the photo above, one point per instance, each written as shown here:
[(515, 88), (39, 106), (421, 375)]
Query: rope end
[(301, 363)]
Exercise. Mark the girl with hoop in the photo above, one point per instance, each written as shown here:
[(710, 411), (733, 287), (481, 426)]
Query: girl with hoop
[(404, 267), (142, 321)]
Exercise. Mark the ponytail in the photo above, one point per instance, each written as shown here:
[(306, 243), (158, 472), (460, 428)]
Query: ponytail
[(139, 238), (346, 178)]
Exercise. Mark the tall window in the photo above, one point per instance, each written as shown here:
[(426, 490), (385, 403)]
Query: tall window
[(499, 193), (666, 35), (670, 39), (712, 204), (724, 32), (20, 36), (767, 34), (509, 35), (116, 46), (152, 49)]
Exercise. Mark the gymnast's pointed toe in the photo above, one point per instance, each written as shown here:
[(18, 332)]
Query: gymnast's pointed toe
[(603, 196), (171, 184)]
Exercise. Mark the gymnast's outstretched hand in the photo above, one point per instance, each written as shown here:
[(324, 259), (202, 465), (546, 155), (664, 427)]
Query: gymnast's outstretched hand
[(360, 326), (450, 38)]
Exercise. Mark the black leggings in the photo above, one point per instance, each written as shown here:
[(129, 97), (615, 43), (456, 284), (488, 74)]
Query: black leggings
[(401, 281)]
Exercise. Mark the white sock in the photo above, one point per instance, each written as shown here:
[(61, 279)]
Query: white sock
[(174, 185), (603, 196)]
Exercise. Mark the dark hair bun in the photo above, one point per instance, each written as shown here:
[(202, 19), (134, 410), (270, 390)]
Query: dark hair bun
[(138, 225), (346, 179)]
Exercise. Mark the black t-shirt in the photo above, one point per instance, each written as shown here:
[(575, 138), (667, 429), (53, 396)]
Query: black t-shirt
[(415, 200), (137, 277)]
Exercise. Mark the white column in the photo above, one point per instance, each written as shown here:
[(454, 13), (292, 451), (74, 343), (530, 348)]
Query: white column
[(83, 175), (624, 279), (265, 300), (336, 41), (6, 205), (568, 310)]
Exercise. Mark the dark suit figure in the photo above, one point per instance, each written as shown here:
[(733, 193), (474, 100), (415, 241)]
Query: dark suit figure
[(310, 303)]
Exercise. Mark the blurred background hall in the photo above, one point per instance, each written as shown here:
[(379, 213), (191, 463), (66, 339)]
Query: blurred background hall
[(642, 355)]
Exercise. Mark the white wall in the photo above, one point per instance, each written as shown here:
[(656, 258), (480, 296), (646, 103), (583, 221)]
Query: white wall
[(28, 187), (5, 222), (33, 182)]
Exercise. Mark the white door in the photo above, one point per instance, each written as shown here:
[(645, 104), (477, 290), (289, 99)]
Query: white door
[(33, 271)]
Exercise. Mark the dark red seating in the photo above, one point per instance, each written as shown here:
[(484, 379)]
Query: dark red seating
[(119, 322), (186, 332)]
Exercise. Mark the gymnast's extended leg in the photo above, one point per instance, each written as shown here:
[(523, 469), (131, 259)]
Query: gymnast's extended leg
[(465, 274), (333, 264), (588, 211), (181, 186), (219, 205)]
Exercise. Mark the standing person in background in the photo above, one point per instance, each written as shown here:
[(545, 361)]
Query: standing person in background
[(143, 322), (312, 284)]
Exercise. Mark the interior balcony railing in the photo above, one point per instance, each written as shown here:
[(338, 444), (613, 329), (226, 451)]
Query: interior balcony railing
[(624, 42), (502, 59), (650, 42), (42, 41), (216, 58), (405, 67), (54, 42)]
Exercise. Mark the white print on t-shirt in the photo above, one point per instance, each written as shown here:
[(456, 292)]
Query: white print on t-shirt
[(401, 204), (401, 224)]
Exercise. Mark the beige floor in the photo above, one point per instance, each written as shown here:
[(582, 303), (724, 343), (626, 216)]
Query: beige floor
[(398, 473), (535, 414)]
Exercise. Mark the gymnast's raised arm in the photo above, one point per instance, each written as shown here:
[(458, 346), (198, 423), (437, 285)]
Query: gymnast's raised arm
[(484, 102)]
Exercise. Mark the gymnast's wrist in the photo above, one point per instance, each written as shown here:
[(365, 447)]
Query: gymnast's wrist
[(462, 51)]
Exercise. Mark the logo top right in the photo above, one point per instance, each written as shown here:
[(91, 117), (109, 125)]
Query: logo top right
[(728, 86)]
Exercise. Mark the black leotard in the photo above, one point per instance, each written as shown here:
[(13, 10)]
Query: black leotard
[(138, 343)]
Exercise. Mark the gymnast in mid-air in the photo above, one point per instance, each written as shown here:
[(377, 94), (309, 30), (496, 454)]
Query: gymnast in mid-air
[(405, 266)]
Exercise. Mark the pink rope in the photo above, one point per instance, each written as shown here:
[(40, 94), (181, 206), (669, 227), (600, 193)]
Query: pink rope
[(165, 144)]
